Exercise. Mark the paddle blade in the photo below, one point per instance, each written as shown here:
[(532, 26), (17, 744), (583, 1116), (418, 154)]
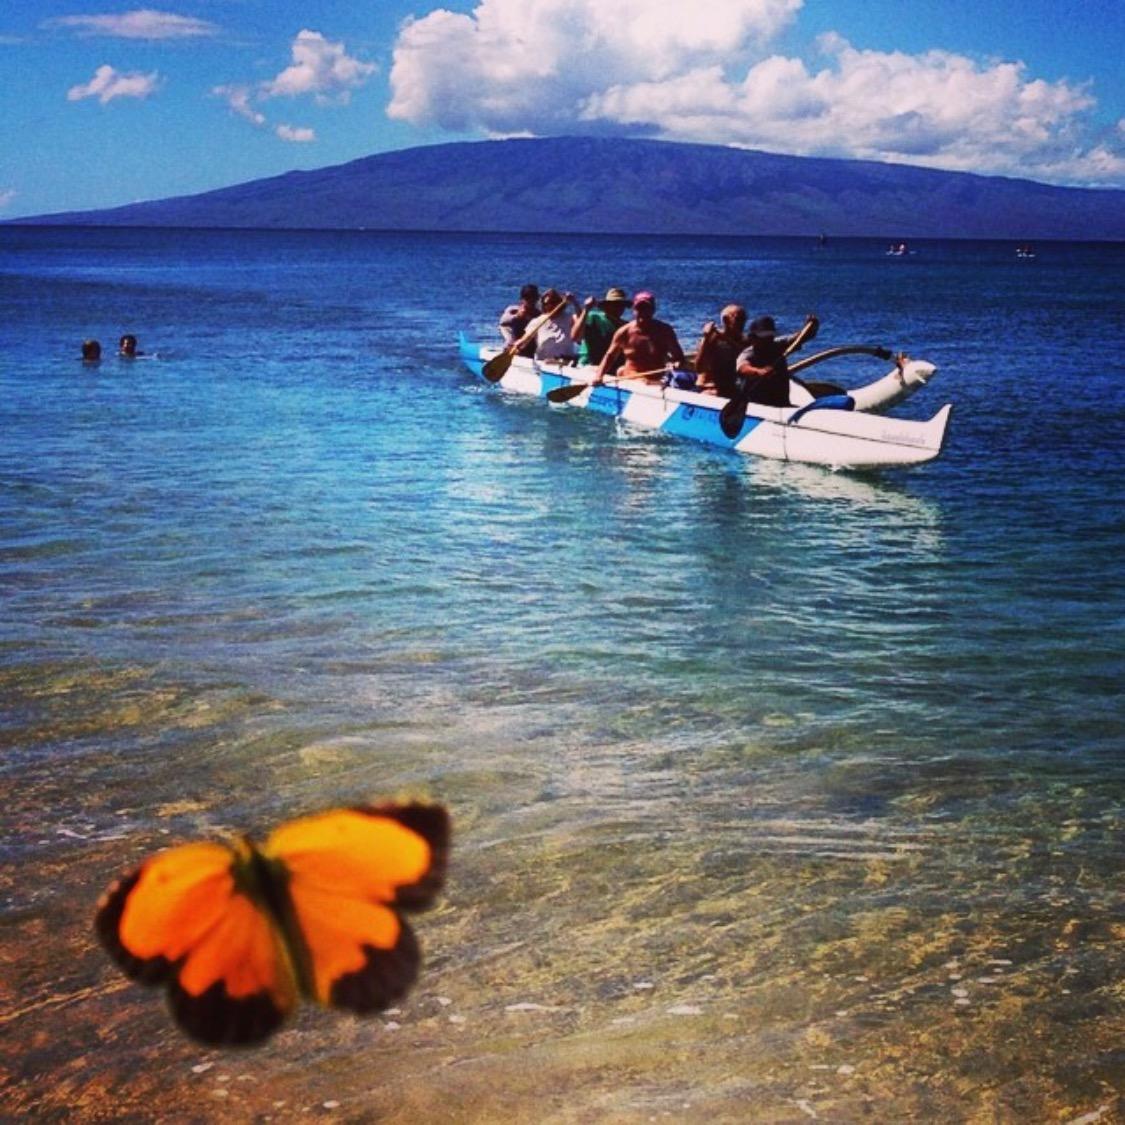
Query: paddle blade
[(565, 394), (732, 416), (497, 367)]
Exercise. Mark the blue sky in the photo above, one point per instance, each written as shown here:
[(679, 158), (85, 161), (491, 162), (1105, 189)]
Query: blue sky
[(104, 104)]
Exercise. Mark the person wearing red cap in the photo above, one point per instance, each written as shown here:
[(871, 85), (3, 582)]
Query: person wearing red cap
[(648, 345)]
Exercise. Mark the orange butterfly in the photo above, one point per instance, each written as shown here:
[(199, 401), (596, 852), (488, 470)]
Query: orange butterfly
[(238, 933)]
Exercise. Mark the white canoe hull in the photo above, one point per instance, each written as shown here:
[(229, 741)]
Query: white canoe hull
[(855, 439)]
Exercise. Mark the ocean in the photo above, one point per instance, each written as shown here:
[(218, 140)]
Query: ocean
[(778, 794)]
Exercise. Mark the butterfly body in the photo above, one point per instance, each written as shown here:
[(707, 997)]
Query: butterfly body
[(238, 933)]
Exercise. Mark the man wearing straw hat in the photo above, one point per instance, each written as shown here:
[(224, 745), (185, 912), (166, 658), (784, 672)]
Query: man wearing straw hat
[(594, 329)]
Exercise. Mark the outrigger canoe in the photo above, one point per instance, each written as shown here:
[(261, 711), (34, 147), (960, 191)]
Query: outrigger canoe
[(836, 431)]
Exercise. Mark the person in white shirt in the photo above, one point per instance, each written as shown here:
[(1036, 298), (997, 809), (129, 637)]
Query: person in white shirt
[(553, 340)]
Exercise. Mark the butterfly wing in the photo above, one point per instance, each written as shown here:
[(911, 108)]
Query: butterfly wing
[(352, 874), (184, 920)]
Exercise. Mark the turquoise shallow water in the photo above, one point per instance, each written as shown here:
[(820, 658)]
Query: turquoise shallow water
[(705, 717)]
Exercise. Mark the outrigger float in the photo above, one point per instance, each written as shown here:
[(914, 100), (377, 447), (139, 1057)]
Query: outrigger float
[(839, 430)]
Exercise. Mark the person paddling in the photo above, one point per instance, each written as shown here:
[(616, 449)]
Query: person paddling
[(718, 353), (593, 330), (648, 345), (554, 339), (762, 364), (515, 318)]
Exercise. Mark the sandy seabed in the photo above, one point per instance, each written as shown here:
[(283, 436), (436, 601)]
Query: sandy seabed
[(620, 940)]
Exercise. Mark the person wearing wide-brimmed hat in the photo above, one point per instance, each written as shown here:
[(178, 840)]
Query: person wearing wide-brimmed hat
[(593, 330), (762, 364)]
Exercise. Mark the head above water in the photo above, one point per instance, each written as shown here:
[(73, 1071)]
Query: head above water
[(91, 350), (127, 345)]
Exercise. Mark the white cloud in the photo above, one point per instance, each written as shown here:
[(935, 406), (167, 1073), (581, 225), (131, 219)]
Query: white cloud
[(519, 65), (6, 197), (936, 108), (108, 84), (515, 67), (238, 98), (295, 133), (321, 68), (142, 23)]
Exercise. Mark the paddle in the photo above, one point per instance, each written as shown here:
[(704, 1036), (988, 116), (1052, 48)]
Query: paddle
[(573, 390), (732, 416), (565, 394), (495, 369)]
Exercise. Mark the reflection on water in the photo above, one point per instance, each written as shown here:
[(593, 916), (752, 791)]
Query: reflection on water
[(887, 493)]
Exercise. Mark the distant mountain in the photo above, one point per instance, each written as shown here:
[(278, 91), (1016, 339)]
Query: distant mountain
[(601, 185)]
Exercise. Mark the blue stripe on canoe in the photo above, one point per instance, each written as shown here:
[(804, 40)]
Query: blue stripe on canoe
[(608, 400), (702, 424), (549, 380), (470, 355), (695, 422)]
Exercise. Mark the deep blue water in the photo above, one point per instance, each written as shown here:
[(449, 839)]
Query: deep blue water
[(297, 555), (305, 448)]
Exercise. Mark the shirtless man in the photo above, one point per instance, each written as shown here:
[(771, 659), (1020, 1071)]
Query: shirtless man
[(719, 351), (647, 344)]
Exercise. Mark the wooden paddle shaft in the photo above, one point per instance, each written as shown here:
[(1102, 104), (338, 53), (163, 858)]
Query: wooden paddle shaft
[(799, 339)]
